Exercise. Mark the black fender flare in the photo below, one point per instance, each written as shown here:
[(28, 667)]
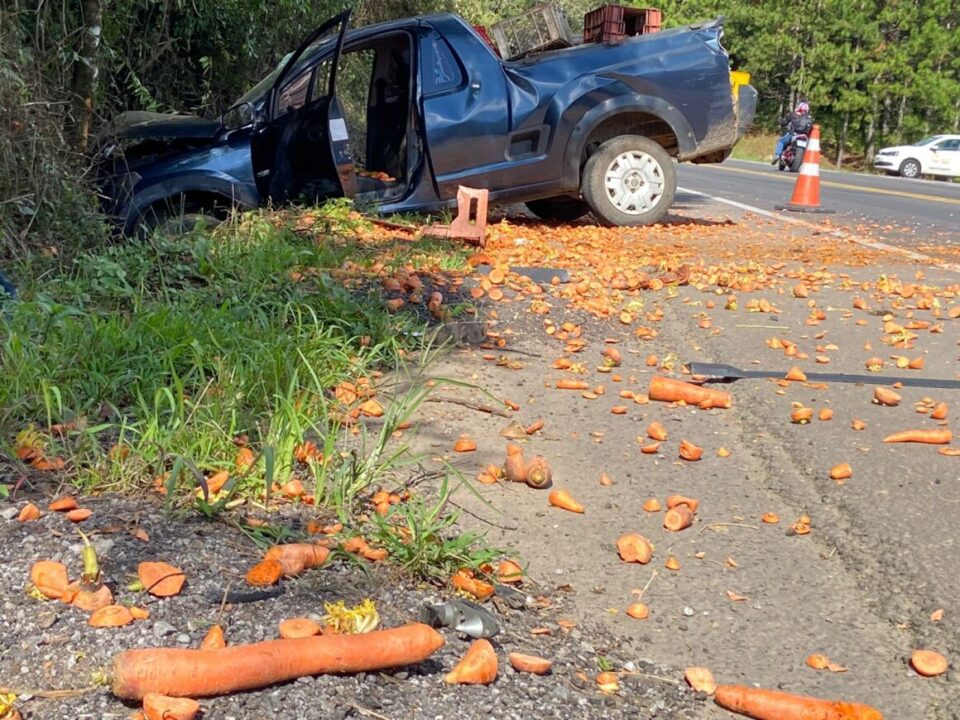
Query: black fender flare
[(624, 105), (234, 193)]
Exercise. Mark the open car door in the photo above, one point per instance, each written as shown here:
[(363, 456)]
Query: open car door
[(301, 149)]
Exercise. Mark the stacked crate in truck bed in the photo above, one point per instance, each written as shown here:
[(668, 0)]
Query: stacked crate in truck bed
[(612, 23), (541, 28)]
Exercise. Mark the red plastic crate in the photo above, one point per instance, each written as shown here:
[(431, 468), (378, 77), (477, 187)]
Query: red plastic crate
[(612, 23)]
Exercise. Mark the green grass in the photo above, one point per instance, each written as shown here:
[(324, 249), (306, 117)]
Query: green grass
[(175, 349), (755, 147)]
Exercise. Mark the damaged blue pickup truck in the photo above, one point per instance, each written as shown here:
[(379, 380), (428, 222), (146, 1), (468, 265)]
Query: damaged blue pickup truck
[(398, 115)]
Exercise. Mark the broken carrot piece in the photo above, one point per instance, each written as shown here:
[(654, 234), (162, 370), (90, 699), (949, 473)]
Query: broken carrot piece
[(562, 499)]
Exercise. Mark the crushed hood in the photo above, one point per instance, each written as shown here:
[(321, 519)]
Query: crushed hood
[(140, 124)]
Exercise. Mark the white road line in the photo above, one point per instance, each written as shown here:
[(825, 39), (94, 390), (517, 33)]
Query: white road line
[(952, 267)]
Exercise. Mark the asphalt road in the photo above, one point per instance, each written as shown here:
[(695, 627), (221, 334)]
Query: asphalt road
[(906, 211)]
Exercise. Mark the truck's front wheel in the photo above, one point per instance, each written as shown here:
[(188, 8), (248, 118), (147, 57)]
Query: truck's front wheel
[(629, 180)]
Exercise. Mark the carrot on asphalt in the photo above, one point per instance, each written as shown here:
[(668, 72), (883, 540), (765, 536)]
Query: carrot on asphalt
[(664, 389), (937, 436), (181, 672), (762, 704)]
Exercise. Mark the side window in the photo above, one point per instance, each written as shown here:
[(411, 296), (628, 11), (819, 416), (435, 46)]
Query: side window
[(438, 66), (321, 80), (950, 145), (294, 94)]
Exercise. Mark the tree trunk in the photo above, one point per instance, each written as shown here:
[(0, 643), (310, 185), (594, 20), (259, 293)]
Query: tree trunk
[(85, 70), (843, 140), (870, 137)]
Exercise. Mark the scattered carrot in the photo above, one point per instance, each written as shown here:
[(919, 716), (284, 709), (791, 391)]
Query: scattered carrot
[(567, 384), (885, 396), (666, 390), (265, 573), (771, 518), (638, 611), (672, 563), (634, 548), (534, 427), (689, 451), (538, 473), (562, 499), (939, 411), (184, 672), (78, 515), (657, 431), (464, 581), (161, 707), (817, 661), (515, 467), (29, 512), (700, 679), (86, 599), (111, 616), (298, 627), (611, 357), (477, 667), (213, 639), (843, 471), (50, 578), (608, 681), (651, 449), (949, 451), (294, 558), (928, 663), (801, 415), (530, 663), (651, 505), (139, 613), (64, 504), (674, 500), (161, 579), (678, 518), (825, 414), (606, 480), (464, 444), (762, 704), (938, 436), (795, 374), (509, 571)]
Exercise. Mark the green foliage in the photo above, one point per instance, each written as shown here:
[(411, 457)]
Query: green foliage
[(874, 72)]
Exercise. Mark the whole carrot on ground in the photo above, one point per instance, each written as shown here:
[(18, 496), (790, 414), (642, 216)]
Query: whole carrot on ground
[(763, 704), (180, 672), (938, 436), (666, 390)]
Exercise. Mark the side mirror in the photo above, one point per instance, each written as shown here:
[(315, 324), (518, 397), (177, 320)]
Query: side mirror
[(238, 116)]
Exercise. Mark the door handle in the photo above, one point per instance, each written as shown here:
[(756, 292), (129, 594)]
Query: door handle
[(475, 87)]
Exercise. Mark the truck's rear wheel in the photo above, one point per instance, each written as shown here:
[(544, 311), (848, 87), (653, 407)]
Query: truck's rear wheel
[(560, 209), (629, 180)]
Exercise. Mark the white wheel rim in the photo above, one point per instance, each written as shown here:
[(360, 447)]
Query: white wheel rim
[(910, 170), (634, 182)]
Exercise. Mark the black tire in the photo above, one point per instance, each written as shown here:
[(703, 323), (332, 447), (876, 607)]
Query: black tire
[(173, 219), (910, 168), (797, 161), (559, 209), (655, 202)]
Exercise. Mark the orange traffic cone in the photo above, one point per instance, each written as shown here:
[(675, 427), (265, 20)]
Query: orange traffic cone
[(806, 193)]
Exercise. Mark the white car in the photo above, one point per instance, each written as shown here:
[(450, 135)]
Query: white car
[(935, 155)]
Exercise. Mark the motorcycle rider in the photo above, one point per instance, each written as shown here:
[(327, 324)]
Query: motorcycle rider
[(797, 122)]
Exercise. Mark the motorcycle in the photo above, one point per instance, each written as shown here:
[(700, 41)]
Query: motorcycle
[(791, 158)]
